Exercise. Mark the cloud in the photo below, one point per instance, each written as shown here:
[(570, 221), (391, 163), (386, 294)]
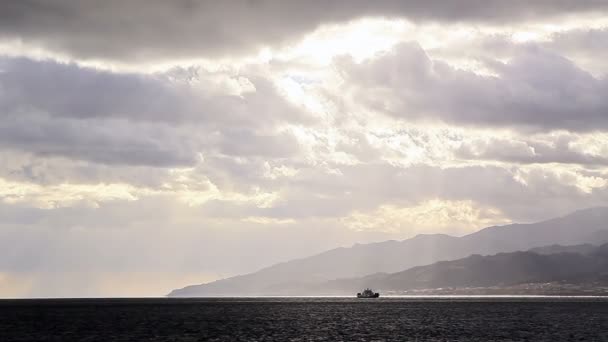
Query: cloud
[(30, 168), (560, 148), (160, 30), (162, 120), (585, 46), (102, 141), (528, 92), (177, 96), (521, 193), (459, 217)]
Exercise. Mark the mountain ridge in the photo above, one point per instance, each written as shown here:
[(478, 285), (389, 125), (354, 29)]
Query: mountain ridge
[(499, 270), (393, 256)]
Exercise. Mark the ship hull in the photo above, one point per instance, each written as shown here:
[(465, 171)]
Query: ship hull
[(375, 295)]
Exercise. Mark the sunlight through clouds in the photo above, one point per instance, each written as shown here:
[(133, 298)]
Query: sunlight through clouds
[(66, 195), (286, 122), (452, 217)]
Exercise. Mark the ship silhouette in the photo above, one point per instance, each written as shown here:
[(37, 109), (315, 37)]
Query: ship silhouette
[(368, 293)]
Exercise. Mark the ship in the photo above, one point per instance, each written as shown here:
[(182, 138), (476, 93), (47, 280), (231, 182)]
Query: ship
[(368, 293)]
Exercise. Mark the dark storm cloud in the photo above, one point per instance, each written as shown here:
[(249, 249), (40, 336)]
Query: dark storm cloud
[(163, 120), (139, 29), (536, 89), (56, 109), (71, 91), (102, 141), (17, 166), (68, 90)]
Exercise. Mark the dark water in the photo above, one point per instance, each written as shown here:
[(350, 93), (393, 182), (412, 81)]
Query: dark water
[(305, 319)]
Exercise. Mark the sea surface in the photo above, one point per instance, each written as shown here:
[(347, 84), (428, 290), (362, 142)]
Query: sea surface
[(306, 319)]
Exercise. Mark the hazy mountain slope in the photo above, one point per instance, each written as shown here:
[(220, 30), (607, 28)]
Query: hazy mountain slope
[(586, 226), (502, 269), (555, 249)]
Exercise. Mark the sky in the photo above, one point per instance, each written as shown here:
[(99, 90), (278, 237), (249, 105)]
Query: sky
[(148, 145)]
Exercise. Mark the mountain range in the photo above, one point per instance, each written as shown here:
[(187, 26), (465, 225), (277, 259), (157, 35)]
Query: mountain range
[(394, 265), (476, 271)]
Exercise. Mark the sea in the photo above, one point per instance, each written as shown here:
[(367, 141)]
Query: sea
[(306, 319)]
